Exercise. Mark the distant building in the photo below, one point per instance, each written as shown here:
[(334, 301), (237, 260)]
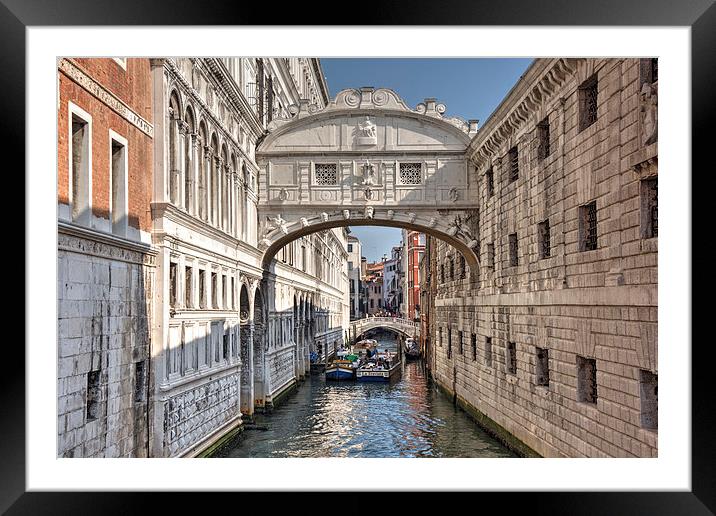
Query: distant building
[(355, 278), (393, 281), (374, 287), (414, 248)]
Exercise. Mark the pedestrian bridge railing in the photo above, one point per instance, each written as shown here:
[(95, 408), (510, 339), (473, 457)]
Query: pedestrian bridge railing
[(406, 326)]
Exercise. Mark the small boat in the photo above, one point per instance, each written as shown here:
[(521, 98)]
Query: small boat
[(365, 345), (411, 348), (343, 367), (380, 368)]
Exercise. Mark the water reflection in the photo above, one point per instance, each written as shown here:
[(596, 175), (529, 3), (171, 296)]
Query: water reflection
[(405, 418)]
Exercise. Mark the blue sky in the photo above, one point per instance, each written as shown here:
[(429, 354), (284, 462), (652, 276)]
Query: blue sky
[(469, 88)]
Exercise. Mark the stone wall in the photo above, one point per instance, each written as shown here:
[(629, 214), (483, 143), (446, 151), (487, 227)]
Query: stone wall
[(103, 343), (192, 415), (559, 320)]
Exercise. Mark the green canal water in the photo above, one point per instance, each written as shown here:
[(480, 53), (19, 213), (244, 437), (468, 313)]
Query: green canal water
[(406, 418)]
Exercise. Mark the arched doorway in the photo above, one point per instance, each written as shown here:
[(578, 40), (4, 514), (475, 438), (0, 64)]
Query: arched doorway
[(259, 334), (245, 339)]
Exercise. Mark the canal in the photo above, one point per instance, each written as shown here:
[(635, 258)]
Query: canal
[(406, 418)]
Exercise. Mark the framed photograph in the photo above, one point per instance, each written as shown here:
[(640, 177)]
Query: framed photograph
[(225, 148)]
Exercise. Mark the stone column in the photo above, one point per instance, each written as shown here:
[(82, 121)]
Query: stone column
[(195, 157), (207, 183), (226, 195), (232, 195), (183, 135), (218, 166)]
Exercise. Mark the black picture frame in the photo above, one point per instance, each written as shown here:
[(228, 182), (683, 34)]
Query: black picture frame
[(699, 15)]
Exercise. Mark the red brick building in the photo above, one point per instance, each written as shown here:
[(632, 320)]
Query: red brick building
[(414, 242)]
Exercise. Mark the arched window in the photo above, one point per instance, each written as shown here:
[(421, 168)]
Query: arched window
[(245, 202), (189, 160), (233, 197), (214, 178), (202, 148), (223, 189), (174, 148)]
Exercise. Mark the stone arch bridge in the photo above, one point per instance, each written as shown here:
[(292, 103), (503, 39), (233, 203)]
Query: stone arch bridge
[(405, 327), (367, 159)]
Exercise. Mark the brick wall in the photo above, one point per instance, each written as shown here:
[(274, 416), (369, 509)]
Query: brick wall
[(133, 87)]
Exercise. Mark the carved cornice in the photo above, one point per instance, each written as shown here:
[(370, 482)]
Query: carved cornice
[(538, 84), (75, 72), (370, 98), (78, 239), (223, 77)]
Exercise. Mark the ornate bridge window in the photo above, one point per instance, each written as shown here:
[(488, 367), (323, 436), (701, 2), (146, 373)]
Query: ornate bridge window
[(411, 173), (326, 174)]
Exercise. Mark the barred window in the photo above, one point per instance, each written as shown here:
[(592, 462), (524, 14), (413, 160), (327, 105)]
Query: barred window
[(543, 136), (488, 351), (648, 391), (411, 173), (452, 269), (513, 160), (94, 394), (588, 226), (544, 240), (490, 177), (473, 345), (513, 250), (449, 346), (649, 208), (491, 255), (542, 370), (326, 174), (511, 358), (586, 380), (462, 268), (587, 95), (139, 380), (459, 341)]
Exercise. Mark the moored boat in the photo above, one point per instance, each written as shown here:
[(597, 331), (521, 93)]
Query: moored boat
[(411, 349), (343, 367), (380, 368)]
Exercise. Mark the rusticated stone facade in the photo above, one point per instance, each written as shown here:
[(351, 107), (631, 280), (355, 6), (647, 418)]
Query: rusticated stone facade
[(553, 337)]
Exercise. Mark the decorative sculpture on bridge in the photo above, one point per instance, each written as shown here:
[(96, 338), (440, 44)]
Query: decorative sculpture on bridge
[(367, 128), (273, 223), (366, 133), (369, 177), (459, 227)]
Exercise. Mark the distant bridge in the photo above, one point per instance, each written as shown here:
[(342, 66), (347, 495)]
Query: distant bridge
[(406, 327)]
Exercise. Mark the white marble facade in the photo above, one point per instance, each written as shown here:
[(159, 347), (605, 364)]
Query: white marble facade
[(228, 335)]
